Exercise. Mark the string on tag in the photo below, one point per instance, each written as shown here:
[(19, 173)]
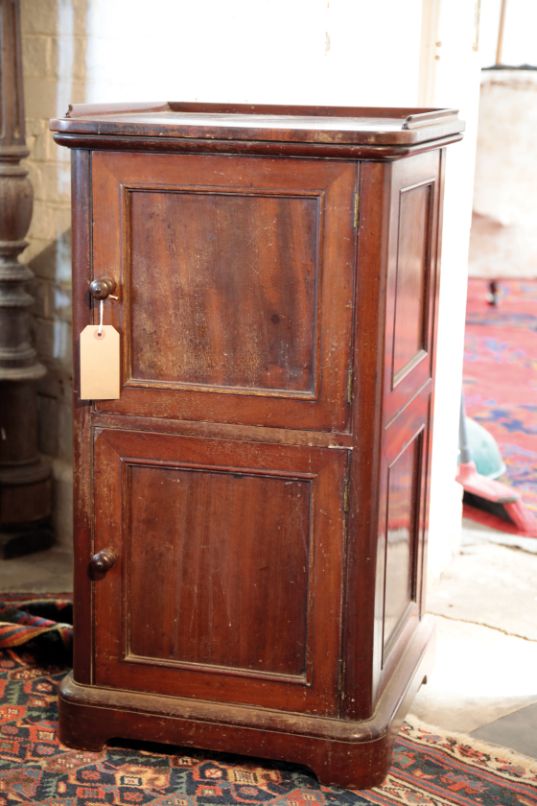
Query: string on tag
[(101, 318)]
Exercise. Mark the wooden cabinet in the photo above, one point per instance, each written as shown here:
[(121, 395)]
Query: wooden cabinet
[(251, 512)]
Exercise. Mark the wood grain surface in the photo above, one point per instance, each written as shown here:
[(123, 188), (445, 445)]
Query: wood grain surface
[(235, 280), (252, 513)]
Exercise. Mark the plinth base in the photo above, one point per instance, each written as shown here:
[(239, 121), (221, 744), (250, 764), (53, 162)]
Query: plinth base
[(347, 753)]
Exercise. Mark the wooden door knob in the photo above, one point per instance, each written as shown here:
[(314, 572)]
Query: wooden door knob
[(102, 287), (102, 562)]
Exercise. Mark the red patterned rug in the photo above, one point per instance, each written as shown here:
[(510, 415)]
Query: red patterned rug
[(43, 623), (500, 379), (430, 768)]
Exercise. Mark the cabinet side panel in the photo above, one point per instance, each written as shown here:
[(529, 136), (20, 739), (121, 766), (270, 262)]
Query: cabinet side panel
[(82, 446), (409, 363), (394, 354)]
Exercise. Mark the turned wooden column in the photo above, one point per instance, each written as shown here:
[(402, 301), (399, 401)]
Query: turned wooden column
[(25, 479)]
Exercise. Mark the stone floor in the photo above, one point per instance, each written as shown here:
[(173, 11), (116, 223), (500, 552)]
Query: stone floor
[(48, 571), (485, 606), (485, 677)]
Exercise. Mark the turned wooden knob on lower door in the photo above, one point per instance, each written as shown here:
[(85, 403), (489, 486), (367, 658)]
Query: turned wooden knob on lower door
[(102, 562)]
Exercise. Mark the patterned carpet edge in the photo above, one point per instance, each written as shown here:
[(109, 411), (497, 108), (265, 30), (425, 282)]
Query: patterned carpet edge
[(431, 766), (496, 752)]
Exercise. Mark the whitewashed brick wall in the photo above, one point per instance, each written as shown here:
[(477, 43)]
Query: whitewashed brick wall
[(50, 29), (356, 52), (100, 50)]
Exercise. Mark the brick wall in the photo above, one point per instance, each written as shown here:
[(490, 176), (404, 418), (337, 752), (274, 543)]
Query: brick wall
[(299, 51), (53, 46)]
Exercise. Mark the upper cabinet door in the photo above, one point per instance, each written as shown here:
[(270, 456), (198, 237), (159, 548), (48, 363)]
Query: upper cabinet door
[(235, 285)]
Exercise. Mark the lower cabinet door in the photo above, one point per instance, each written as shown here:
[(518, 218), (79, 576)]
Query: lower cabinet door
[(226, 569)]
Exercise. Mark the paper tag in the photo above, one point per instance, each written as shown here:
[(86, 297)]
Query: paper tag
[(99, 363)]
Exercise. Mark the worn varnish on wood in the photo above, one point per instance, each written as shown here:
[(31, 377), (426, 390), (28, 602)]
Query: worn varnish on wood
[(251, 513)]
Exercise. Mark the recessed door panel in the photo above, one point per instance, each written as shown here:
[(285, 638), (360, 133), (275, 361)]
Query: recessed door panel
[(230, 552), (240, 294), (235, 285), (228, 573), (402, 528), (401, 536), (412, 273), (412, 276)]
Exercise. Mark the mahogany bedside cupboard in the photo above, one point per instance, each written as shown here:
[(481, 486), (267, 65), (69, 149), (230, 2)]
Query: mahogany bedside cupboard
[(251, 512)]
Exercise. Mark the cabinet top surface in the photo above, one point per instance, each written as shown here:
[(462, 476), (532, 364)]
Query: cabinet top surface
[(301, 124)]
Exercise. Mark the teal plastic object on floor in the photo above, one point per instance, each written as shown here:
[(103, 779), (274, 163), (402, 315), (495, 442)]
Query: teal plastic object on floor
[(484, 450)]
